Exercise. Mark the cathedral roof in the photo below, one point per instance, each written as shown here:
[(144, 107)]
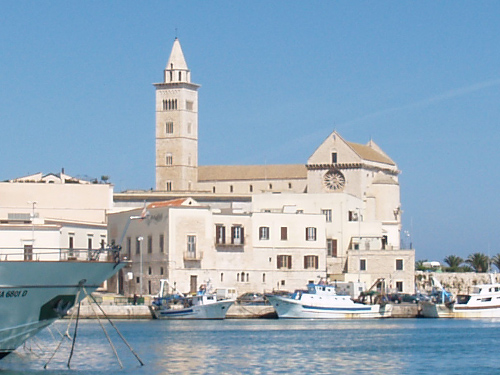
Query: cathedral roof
[(251, 172), (367, 152), (176, 60)]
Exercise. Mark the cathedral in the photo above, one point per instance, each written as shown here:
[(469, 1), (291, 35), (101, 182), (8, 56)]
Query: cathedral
[(338, 215)]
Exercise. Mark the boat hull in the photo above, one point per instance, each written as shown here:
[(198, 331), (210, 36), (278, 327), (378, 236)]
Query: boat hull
[(35, 294), (216, 310), (441, 310), (288, 308)]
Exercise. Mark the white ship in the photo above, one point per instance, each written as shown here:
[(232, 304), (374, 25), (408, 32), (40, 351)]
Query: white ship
[(204, 305), (36, 292), (482, 302), (320, 301)]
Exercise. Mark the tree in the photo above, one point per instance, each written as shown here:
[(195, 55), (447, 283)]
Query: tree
[(419, 265), (496, 261), (454, 263), (479, 262)]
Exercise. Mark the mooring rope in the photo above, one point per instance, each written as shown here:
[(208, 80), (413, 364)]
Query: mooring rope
[(116, 329)]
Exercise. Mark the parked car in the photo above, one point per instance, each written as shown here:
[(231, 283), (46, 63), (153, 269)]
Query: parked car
[(405, 297)]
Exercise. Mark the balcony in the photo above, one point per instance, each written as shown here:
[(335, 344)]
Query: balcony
[(193, 255)]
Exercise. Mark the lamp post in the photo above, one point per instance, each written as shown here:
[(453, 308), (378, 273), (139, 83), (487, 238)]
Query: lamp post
[(140, 239), (33, 203)]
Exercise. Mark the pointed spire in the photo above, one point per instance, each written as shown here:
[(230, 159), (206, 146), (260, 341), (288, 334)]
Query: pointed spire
[(176, 60)]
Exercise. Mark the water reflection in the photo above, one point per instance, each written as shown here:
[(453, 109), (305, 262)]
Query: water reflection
[(273, 346)]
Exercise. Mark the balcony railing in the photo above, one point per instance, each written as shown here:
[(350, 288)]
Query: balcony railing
[(193, 255)]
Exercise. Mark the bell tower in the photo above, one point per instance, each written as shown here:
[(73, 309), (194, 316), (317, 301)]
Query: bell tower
[(176, 126)]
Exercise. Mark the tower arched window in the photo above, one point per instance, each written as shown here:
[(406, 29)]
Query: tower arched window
[(171, 78), (180, 76), (168, 159)]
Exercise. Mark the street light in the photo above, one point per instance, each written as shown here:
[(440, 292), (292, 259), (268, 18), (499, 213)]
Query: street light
[(33, 203), (140, 269)]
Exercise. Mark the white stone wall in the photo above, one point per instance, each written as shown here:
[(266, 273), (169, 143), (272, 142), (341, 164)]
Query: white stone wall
[(86, 203)]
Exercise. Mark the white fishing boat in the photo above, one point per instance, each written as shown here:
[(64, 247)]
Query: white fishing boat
[(36, 290), (176, 305), (482, 302), (321, 301)]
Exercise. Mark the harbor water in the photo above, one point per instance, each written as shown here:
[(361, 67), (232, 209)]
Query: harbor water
[(388, 346)]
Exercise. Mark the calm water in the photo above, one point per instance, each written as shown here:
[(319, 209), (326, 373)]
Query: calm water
[(392, 346)]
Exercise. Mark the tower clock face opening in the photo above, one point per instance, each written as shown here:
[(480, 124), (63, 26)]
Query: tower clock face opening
[(334, 180)]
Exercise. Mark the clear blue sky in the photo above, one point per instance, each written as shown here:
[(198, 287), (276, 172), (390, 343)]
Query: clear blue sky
[(420, 78)]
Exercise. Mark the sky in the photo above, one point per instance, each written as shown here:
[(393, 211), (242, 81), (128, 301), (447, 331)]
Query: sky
[(422, 79)]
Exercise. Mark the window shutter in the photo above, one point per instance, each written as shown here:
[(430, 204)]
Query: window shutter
[(305, 262), (316, 262), (289, 262), (232, 235), (223, 230), (242, 232)]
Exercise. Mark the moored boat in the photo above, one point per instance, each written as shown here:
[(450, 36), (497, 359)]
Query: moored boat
[(203, 305), (321, 301), (36, 290), (482, 302)]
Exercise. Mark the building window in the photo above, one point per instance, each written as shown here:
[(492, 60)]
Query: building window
[(311, 261), (220, 234), (168, 185), (180, 76), (331, 247), (310, 234), (353, 216), (237, 235), (162, 243), (334, 157), (221, 277), (284, 261), (263, 277), (189, 105), (328, 215), (189, 127), (161, 270), (89, 243), (231, 188), (213, 189), (169, 127), (399, 286), (263, 233), (270, 186), (129, 247), (191, 246), (150, 271), (28, 252), (137, 246), (399, 264), (150, 244), (362, 264), (168, 159), (251, 188), (284, 233), (289, 185)]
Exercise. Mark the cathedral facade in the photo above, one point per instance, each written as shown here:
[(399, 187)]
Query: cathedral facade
[(273, 209)]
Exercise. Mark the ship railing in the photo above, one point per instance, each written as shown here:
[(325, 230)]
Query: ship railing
[(56, 254)]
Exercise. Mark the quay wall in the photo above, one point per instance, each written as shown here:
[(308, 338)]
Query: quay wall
[(454, 282)]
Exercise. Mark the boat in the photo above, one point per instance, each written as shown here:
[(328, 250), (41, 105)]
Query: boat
[(205, 304), (321, 301), (38, 289), (252, 306), (482, 302)]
